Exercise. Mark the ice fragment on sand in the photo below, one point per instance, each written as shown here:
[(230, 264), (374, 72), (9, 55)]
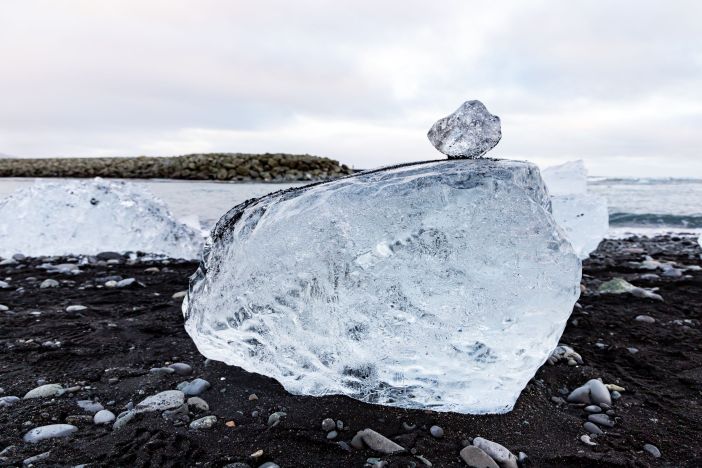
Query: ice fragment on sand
[(439, 285), (90, 216), (470, 132)]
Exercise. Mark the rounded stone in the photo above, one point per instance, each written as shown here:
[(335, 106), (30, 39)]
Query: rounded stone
[(476, 458), (436, 432), (49, 432), (328, 424), (104, 417)]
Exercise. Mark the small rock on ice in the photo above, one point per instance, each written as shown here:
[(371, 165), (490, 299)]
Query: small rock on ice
[(470, 132)]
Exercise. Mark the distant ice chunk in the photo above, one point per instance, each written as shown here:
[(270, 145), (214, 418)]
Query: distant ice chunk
[(91, 216), (470, 132), (583, 216), (566, 179), (440, 285)]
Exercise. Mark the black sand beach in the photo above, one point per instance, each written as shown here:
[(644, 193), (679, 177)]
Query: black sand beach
[(105, 353)]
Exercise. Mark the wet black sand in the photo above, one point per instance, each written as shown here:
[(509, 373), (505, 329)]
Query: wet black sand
[(108, 349)]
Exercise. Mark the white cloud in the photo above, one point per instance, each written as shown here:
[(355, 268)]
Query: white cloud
[(614, 83)]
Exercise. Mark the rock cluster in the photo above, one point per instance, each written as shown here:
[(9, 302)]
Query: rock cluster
[(215, 166)]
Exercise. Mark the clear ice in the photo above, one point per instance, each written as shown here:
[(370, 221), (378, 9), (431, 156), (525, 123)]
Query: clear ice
[(583, 216), (91, 216), (470, 132), (441, 285)]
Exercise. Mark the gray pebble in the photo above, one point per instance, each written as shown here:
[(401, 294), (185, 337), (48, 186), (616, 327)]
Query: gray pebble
[(340, 424), (275, 418), (161, 401), (269, 465), (181, 368), (599, 392), (36, 458), (580, 395), (357, 442), (203, 423), (616, 395), (90, 406), (592, 428), (49, 283), (645, 319), (497, 452), (161, 370), (379, 442), (601, 419), (436, 432), (8, 401), (104, 417), (194, 387), (198, 403), (409, 427), (126, 283), (177, 415), (593, 409), (45, 391), (123, 419), (586, 440), (332, 435), (328, 424), (475, 457), (49, 432), (653, 450)]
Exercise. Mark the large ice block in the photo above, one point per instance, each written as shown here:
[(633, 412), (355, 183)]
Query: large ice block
[(440, 285)]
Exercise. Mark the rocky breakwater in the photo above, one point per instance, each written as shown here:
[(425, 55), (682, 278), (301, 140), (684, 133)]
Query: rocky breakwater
[(215, 166)]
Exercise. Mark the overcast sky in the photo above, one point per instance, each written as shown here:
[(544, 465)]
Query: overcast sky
[(618, 84)]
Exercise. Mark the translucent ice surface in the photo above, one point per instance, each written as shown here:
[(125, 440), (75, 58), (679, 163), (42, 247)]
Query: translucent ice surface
[(566, 179), (91, 216), (439, 285), (470, 132), (583, 216)]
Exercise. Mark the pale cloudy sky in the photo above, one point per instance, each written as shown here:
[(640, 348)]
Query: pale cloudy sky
[(616, 83)]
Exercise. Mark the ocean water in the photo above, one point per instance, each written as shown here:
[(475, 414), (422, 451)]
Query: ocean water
[(636, 206), (651, 206)]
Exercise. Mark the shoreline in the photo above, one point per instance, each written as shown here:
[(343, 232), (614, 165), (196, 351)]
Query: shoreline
[(113, 352), (240, 167)]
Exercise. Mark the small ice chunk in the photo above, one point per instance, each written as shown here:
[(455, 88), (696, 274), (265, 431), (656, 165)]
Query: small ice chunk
[(91, 216), (583, 216), (566, 179), (470, 132)]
